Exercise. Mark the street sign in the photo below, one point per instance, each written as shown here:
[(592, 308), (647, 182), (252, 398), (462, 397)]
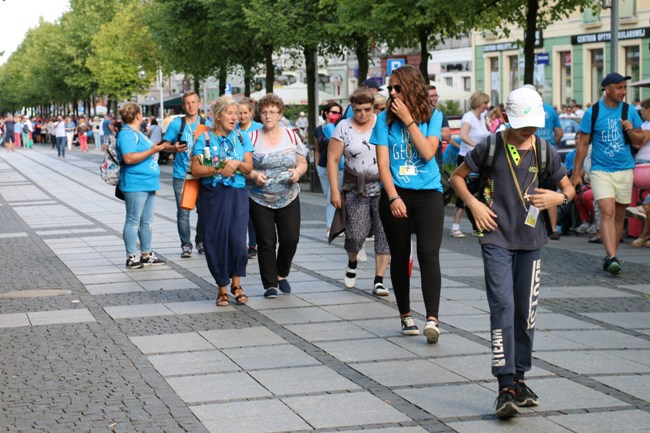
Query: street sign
[(392, 64), (228, 89), (541, 58)]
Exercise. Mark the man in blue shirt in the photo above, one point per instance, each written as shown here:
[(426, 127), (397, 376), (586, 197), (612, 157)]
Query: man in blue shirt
[(612, 162), (182, 144), (552, 132), (108, 132)]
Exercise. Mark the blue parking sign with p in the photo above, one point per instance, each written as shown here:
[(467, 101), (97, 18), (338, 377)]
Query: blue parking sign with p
[(393, 64)]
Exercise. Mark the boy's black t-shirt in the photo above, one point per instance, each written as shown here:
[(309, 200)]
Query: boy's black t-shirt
[(511, 232)]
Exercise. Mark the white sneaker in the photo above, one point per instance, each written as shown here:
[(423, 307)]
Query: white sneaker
[(583, 228), (456, 234), (350, 278), (380, 290), (431, 331), (409, 327), (592, 230), (361, 255)]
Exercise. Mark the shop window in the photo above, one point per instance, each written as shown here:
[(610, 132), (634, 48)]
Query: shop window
[(590, 16), (632, 69), (566, 77), (627, 8), (597, 69)]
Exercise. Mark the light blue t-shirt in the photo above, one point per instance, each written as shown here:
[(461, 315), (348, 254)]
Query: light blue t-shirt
[(402, 151), (182, 159), (254, 126), (552, 122), (225, 148), (143, 176), (609, 152)]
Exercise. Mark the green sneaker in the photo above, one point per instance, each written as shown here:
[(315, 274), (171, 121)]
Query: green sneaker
[(612, 265)]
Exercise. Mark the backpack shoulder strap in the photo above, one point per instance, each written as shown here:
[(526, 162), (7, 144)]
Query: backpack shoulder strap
[(241, 139), (254, 136), (542, 156), (181, 129), (488, 161), (202, 120), (292, 136), (594, 117)]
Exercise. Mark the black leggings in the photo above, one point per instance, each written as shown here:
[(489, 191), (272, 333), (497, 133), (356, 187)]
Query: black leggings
[(426, 209)]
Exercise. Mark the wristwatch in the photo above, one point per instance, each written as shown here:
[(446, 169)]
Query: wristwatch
[(566, 199)]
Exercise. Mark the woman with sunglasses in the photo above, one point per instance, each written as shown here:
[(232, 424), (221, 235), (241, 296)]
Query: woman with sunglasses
[(360, 187), (407, 136), (331, 113)]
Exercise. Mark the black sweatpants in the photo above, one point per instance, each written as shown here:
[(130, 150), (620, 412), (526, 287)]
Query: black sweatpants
[(286, 221), (512, 281), (426, 209)]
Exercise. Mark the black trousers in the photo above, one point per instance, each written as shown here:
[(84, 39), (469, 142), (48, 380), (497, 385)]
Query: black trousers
[(426, 210), (276, 227)]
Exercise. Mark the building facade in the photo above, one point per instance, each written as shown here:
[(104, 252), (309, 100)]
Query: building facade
[(571, 56)]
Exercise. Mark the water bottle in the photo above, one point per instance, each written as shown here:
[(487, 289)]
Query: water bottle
[(207, 157)]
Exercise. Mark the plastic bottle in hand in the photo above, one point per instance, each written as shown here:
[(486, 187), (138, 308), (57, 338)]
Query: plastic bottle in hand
[(207, 158)]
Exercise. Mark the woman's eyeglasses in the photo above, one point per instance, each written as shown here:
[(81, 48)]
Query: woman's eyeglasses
[(397, 87)]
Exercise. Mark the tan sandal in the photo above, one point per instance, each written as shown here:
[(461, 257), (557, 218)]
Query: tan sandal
[(240, 299), (222, 300)]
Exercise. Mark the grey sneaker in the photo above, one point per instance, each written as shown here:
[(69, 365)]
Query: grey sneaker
[(187, 251), (380, 290), (524, 396), (431, 331), (152, 260), (409, 327), (133, 263)]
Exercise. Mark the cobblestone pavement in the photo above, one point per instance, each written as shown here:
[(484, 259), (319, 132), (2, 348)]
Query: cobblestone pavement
[(88, 346)]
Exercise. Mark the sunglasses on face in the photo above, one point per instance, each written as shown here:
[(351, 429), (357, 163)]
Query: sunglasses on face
[(334, 112), (397, 87)]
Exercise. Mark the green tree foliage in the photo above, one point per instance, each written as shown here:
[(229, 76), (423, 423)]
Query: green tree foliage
[(124, 54)]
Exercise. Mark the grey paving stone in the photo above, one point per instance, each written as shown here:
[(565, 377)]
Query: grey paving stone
[(471, 323), (259, 416), (390, 430), (13, 320), (451, 400), (60, 317), (142, 310), (216, 387), (302, 380), (514, 425), (260, 303), (561, 394), (261, 357), (604, 339), (361, 311), (288, 316), (114, 277), (636, 385), (335, 298), (477, 367), (329, 331), (624, 320), (601, 362), (171, 284), (384, 327), (550, 340), (465, 293), (181, 342), (194, 307), (457, 308), (342, 410), (157, 273), (245, 337), (112, 288), (640, 356), (448, 345), (371, 349), (313, 286), (605, 422), (559, 321), (401, 373), (203, 362), (582, 292), (465, 271), (643, 288)]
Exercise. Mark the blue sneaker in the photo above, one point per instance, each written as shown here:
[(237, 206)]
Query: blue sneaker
[(284, 286), (271, 293)]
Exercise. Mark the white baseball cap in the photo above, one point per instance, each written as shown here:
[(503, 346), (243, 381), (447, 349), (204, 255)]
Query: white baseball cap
[(525, 108)]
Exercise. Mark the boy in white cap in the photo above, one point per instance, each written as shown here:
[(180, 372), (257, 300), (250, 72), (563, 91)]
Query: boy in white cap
[(514, 235)]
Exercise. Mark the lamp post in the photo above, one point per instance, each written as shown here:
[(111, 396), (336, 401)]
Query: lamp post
[(613, 5)]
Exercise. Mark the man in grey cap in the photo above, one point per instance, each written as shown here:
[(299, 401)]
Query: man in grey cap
[(612, 162)]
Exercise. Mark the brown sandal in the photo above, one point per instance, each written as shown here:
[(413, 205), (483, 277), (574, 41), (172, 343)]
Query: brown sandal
[(240, 299), (222, 300)]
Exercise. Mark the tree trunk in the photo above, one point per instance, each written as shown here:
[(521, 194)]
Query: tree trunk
[(270, 67), (311, 69), (361, 49), (94, 102), (424, 54), (529, 41), (197, 86), (248, 78), (223, 77)]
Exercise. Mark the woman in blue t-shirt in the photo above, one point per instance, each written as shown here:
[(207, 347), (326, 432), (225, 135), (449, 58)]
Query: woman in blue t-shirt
[(407, 136), (223, 199), (139, 181)]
